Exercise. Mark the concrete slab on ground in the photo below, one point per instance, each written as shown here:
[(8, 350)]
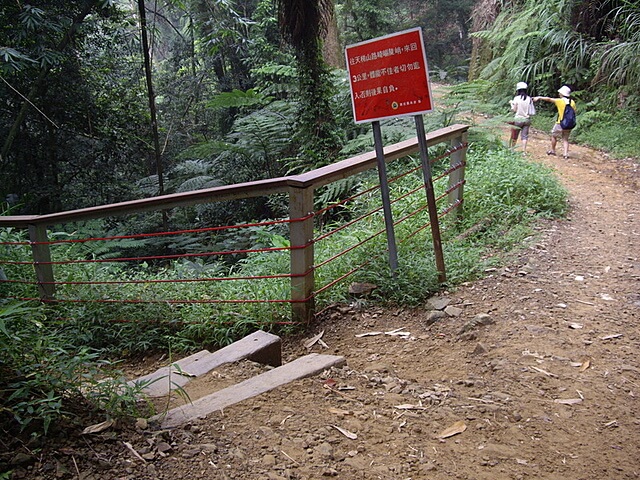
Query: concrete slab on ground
[(302, 367), (261, 347)]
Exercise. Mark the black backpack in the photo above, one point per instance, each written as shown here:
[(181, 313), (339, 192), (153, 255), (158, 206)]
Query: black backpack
[(569, 118)]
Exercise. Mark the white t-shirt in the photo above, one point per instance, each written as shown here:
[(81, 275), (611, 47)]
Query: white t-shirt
[(523, 108)]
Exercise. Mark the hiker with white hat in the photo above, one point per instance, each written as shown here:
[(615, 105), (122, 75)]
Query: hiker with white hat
[(565, 121), (522, 105)]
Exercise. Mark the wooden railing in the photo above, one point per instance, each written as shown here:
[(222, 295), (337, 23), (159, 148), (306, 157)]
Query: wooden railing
[(300, 189)]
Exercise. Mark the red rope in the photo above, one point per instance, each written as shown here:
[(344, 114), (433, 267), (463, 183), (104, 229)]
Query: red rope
[(330, 259), (160, 234), (348, 224), (153, 302), (159, 257)]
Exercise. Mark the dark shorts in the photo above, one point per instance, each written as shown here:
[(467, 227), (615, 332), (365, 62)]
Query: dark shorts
[(519, 127)]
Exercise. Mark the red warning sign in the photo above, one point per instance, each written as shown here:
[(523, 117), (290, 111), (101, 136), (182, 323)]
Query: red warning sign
[(389, 77)]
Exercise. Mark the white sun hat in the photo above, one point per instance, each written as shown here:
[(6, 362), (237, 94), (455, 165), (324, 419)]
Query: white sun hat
[(521, 86), (564, 91)]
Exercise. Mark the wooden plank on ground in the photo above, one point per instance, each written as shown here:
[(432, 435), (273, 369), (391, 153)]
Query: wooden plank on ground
[(259, 346), (163, 380), (302, 367)]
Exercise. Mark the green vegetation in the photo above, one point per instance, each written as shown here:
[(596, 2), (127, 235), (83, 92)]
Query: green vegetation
[(50, 353), (234, 103), (47, 375)]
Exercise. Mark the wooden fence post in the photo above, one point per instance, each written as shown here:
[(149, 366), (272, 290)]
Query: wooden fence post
[(302, 255), (42, 261), (456, 177)]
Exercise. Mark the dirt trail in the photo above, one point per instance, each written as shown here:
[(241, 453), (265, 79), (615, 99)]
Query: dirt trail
[(537, 363)]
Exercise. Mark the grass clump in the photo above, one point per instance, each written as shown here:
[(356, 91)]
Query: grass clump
[(45, 376)]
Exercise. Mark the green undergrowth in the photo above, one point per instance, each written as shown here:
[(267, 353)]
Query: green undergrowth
[(50, 355)]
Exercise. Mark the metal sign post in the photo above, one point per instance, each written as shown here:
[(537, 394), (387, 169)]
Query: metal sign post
[(389, 78), (431, 199), (386, 200)]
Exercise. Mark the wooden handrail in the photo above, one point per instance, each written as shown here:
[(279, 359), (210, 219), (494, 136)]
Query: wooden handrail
[(315, 179)]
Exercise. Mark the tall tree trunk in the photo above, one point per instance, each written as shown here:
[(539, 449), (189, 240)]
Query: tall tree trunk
[(304, 23), (151, 95)]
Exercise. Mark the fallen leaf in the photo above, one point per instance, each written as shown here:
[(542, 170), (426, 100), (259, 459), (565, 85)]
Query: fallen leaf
[(609, 337), (568, 401), (548, 374), (454, 429), (576, 326), (409, 406), (98, 427), (368, 334), (330, 382), (133, 451), (346, 433), (338, 411), (313, 340), (586, 364)]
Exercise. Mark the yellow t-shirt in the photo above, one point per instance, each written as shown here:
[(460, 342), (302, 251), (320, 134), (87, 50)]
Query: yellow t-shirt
[(560, 104)]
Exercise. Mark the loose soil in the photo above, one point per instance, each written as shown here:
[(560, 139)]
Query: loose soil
[(533, 373)]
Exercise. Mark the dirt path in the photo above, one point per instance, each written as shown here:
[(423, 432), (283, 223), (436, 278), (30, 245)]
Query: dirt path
[(538, 364)]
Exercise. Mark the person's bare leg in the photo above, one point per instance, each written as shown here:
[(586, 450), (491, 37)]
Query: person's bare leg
[(524, 146), (554, 141), (565, 146)]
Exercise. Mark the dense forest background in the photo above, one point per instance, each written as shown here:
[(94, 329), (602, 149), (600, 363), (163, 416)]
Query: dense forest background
[(108, 100)]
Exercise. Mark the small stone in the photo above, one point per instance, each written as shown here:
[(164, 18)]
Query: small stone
[(142, 424), (269, 460), (163, 447), (433, 316), (330, 472), (480, 349), (438, 303), (453, 311)]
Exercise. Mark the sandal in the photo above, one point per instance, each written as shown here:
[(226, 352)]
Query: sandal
[(551, 152), (566, 157)]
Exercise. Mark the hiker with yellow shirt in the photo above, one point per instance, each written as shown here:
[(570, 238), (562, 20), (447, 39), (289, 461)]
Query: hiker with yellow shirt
[(565, 121)]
